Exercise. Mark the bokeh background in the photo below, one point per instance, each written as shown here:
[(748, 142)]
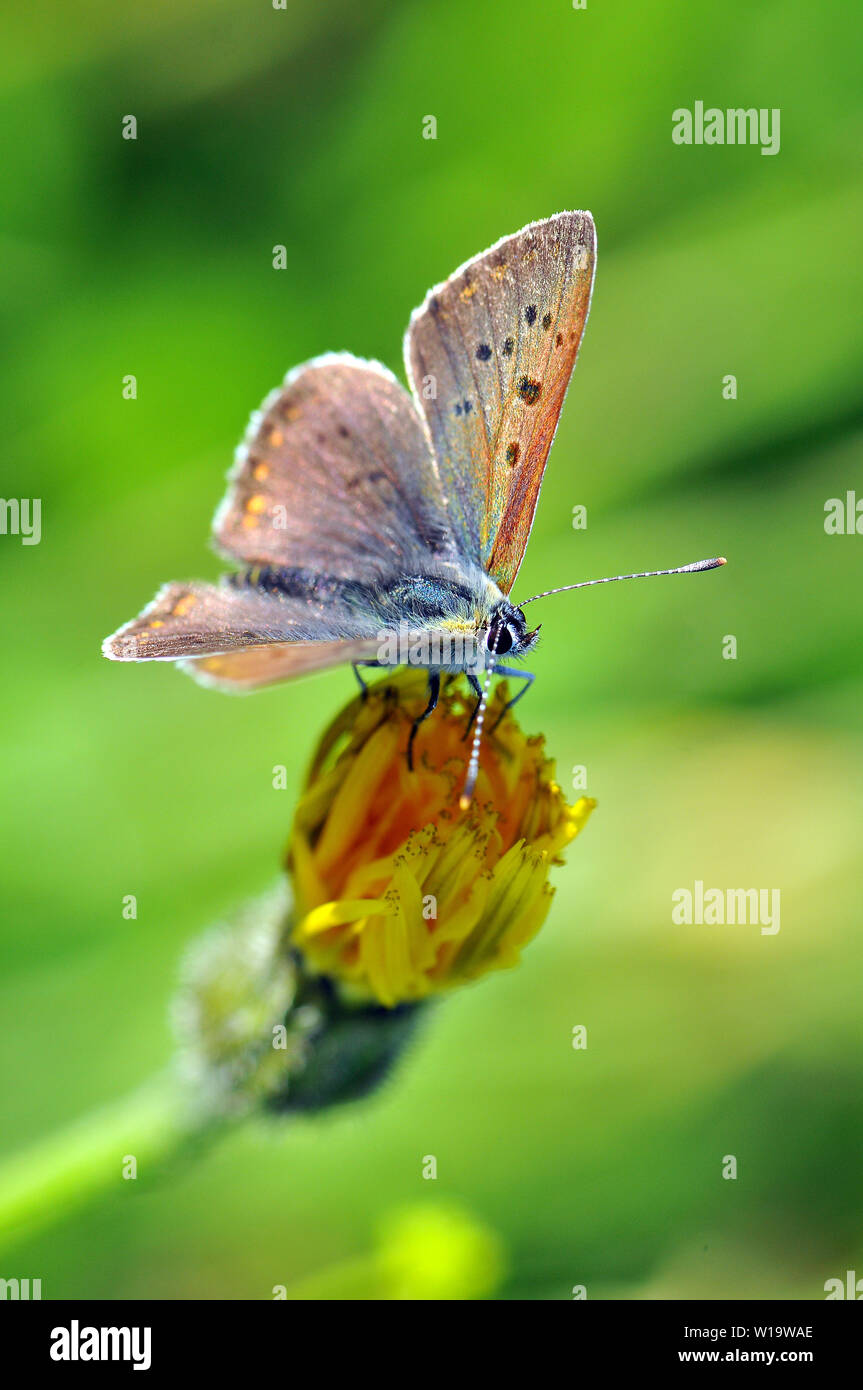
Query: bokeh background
[(303, 126)]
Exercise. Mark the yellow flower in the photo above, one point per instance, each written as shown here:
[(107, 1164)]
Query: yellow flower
[(400, 894), (428, 1251)]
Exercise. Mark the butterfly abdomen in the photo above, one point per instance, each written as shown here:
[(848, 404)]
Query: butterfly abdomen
[(420, 600), (299, 583)]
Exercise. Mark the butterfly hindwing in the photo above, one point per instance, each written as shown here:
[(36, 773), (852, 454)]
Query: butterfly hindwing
[(335, 477), (253, 667), (200, 620), (489, 356)]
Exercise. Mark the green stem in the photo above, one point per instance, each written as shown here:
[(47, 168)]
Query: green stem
[(346, 1281), (58, 1174)]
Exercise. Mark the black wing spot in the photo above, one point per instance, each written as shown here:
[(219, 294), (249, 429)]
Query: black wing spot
[(483, 352), (508, 346), (468, 407), (530, 315), (546, 322), (432, 537), (558, 339), (376, 476), (458, 408), (512, 453), (529, 390)]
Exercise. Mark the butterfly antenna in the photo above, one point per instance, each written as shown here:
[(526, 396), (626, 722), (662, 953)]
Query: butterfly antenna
[(694, 568), (473, 764)]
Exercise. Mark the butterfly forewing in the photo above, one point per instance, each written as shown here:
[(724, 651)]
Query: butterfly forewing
[(489, 355), (335, 477)]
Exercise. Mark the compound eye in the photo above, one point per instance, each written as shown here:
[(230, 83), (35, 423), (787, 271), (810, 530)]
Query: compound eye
[(499, 639)]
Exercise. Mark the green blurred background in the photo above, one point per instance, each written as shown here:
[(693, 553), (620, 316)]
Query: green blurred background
[(304, 127)]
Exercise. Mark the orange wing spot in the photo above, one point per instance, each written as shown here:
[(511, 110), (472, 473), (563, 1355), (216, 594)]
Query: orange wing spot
[(467, 293), (249, 522), (292, 412), (182, 606), (277, 439), (498, 271), (157, 622), (257, 503), (261, 471)]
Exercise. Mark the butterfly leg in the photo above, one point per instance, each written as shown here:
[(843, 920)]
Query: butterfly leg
[(527, 676), (477, 690), (355, 667), (434, 692)]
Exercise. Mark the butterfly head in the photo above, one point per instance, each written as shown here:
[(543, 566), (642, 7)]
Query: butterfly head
[(508, 633)]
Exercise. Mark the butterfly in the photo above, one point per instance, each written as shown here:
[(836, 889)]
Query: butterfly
[(376, 525)]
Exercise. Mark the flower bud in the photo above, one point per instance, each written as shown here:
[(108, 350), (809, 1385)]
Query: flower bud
[(399, 893)]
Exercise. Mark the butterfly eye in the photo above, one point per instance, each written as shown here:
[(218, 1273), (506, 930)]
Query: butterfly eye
[(499, 638)]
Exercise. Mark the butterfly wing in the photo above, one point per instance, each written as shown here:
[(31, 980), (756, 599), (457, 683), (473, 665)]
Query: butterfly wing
[(334, 482), (335, 477), (224, 620), (489, 356), (249, 669), (238, 637)]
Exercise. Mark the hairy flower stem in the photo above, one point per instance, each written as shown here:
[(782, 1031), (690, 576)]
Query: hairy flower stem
[(59, 1174)]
